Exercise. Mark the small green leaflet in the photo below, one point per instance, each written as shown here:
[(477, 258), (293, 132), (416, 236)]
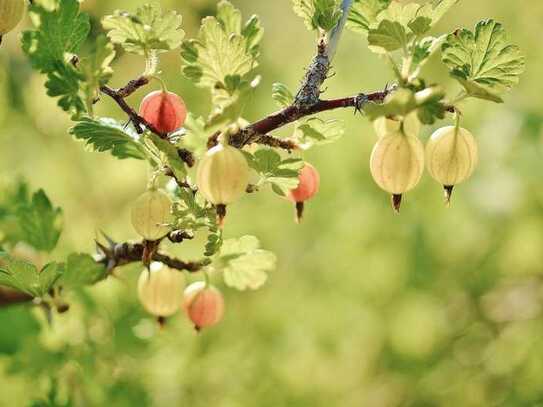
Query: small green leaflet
[(169, 156), (96, 69), (315, 131), (282, 175), (244, 264), (484, 62), (223, 49), (363, 15), (25, 277), (321, 15), (424, 49), (282, 95), (195, 137), (387, 37), (81, 270), (436, 9), (146, 31), (192, 213), (40, 222), (59, 35), (108, 135)]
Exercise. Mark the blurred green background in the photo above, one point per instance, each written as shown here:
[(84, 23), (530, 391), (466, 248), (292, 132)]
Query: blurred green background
[(436, 307)]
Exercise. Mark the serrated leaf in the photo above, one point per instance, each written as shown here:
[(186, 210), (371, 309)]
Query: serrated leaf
[(436, 9), (281, 174), (58, 35), (420, 25), (244, 264), (223, 49), (424, 49), (389, 36), (81, 270), (484, 62), (148, 30), (108, 135), (169, 156), (315, 131), (25, 277), (282, 95), (40, 222), (364, 14), (318, 14)]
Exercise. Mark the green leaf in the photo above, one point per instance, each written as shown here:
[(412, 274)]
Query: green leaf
[(484, 62), (424, 49), (108, 135), (223, 49), (436, 9), (282, 95), (81, 270), (244, 264), (195, 137), (60, 31), (96, 68), (40, 222), (387, 37), (59, 35), (315, 131), (148, 30), (24, 276), (321, 15), (420, 25), (282, 175), (169, 156), (364, 14)]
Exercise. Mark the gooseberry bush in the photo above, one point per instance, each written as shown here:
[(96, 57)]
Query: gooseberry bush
[(201, 165)]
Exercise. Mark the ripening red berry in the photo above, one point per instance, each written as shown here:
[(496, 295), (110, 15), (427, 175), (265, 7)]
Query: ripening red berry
[(308, 187), (166, 111), (204, 305)]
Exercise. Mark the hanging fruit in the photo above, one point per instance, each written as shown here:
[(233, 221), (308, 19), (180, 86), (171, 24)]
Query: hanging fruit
[(204, 305), (160, 290), (308, 187), (151, 214)]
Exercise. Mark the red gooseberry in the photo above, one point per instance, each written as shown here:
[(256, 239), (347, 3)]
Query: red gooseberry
[(166, 111), (308, 187), (204, 304)]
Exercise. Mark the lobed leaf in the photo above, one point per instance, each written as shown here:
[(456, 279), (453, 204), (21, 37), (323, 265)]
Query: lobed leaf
[(484, 62)]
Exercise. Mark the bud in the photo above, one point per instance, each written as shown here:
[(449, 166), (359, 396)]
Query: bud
[(151, 215), (166, 111), (397, 164), (160, 290), (203, 304), (451, 157), (11, 14)]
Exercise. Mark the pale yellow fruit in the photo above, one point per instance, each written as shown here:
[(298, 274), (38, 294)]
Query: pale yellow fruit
[(223, 175), (384, 126), (11, 14), (397, 163), (451, 155), (151, 214), (160, 290)]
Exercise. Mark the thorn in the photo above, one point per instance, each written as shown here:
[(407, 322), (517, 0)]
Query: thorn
[(299, 212), (448, 189), (396, 202), (109, 240), (101, 249)]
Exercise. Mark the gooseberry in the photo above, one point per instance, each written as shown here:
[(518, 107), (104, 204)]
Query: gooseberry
[(451, 157), (160, 290), (222, 176), (308, 187), (151, 214), (204, 304), (397, 164), (166, 111), (11, 14)]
